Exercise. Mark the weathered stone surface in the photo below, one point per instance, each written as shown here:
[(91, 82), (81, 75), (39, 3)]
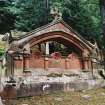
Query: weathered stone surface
[(103, 94), (86, 97), (37, 85), (1, 103), (58, 99), (24, 104)]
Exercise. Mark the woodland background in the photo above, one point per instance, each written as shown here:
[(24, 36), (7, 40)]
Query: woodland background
[(84, 16)]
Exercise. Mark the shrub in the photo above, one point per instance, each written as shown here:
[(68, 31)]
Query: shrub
[(54, 75), (1, 52)]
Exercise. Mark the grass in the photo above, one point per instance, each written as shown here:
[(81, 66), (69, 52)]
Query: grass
[(97, 97)]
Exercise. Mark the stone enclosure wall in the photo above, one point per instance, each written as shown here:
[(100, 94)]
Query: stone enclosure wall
[(33, 89)]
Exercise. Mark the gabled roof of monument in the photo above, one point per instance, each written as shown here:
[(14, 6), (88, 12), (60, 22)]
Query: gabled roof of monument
[(33, 33)]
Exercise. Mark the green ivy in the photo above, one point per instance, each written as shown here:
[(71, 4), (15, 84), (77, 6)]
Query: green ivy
[(1, 52)]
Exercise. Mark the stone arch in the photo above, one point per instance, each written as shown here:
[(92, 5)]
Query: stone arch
[(59, 36)]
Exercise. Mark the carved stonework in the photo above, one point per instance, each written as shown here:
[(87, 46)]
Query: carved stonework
[(72, 56), (37, 54), (56, 13), (56, 55), (85, 53)]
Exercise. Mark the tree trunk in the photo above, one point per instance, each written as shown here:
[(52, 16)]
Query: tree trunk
[(102, 10), (10, 37)]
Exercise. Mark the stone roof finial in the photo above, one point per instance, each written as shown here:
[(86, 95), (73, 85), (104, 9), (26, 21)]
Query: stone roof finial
[(56, 13)]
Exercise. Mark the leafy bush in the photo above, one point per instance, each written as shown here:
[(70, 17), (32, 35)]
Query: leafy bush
[(70, 75), (54, 75), (1, 52)]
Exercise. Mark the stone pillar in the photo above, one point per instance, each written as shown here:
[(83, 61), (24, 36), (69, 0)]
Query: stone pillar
[(9, 64), (86, 64), (86, 60), (47, 48)]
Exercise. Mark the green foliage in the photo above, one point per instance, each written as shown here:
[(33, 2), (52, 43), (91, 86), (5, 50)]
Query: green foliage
[(30, 14), (84, 17), (81, 15), (55, 75), (1, 52), (71, 75), (2, 49), (7, 19), (63, 49)]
